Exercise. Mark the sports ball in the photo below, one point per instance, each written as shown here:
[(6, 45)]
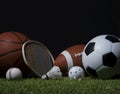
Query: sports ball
[(72, 56), (13, 73), (76, 72), (101, 56), (11, 52)]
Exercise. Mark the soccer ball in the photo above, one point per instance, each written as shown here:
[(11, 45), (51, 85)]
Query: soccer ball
[(101, 56), (76, 72)]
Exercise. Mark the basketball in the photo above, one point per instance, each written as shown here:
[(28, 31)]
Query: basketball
[(11, 52)]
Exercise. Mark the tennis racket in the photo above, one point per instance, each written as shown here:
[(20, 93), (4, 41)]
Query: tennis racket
[(37, 57)]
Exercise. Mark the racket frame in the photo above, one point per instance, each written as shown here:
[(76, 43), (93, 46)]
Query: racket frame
[(24, 54)]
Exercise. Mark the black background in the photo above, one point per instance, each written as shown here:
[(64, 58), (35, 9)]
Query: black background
[(61, 24)]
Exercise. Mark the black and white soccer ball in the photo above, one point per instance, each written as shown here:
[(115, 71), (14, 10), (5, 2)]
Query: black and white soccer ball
[(101, 56)]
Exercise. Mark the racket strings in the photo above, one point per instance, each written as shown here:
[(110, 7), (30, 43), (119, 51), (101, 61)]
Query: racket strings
[(38, 58)]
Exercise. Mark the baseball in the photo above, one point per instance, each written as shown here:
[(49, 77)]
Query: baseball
[(13, 73)]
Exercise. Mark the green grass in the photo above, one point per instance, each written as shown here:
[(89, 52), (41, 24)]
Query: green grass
[(62, 86)]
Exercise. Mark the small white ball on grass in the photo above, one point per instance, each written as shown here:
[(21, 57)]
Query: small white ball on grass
[(76, 72), (13, 73)]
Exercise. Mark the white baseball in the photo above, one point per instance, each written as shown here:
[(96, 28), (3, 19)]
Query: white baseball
[(13, 73)]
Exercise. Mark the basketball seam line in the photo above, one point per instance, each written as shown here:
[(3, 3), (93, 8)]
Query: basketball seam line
[(12, 42), (16, 36), (17, 61), (10, 52)]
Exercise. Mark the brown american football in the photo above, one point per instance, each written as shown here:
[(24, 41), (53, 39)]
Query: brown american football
[(72, 56)]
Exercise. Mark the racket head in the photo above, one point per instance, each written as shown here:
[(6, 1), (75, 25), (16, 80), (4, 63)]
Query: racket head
[(37, 57)]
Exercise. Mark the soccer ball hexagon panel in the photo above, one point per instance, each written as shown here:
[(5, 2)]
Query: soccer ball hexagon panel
[(100, 56)]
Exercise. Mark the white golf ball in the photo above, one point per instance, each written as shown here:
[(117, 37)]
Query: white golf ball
[(76, 72), (13, 73)]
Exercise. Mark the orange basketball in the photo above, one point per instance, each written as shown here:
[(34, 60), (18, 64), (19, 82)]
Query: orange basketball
[(11, 52)]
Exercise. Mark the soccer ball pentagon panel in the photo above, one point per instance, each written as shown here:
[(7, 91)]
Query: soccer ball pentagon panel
[(101, 56)]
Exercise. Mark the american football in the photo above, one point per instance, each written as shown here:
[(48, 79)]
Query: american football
[(69, 57)]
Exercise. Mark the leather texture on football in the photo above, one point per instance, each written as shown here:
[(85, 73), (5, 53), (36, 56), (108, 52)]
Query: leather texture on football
[(72, 56)]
